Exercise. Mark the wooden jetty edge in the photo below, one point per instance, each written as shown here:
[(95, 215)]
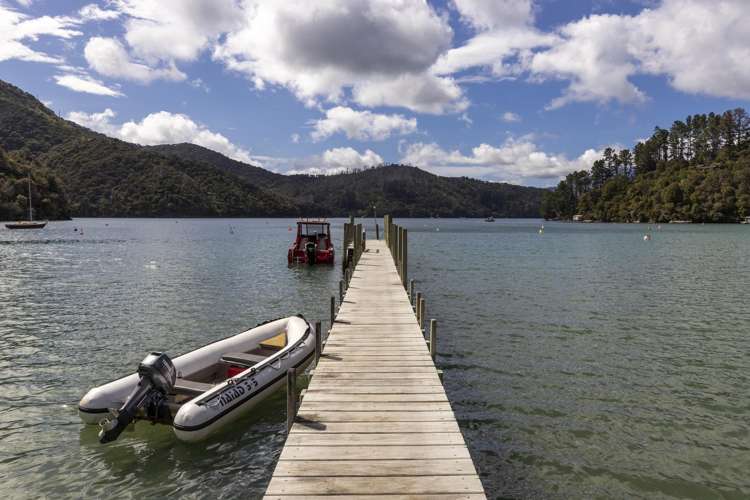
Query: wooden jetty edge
[(375, 420)]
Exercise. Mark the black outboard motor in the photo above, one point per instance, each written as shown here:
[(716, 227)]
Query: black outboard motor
[(310, 252), (158, 377)]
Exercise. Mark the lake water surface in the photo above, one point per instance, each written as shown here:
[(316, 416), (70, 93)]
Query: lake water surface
[(581, 362)]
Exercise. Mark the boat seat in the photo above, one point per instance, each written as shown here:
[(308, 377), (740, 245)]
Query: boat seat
[(242, 358), (191, 387), (275, 343)]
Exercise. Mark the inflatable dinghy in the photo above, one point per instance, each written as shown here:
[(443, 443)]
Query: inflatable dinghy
[(202, 391)]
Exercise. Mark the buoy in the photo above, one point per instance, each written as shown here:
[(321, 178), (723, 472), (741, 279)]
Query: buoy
[(646, 237), (541, 230), (75, 229)]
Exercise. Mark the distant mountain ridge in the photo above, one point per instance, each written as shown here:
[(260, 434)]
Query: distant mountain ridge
[(102, 176)]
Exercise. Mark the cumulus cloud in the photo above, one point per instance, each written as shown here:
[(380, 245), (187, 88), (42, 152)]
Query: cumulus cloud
[(92, 12), (175, 30), (424, 93), (516, 160), (108, 57), (510, 117), (86, 84), (320, 49), (336, 161), (17, 29), (504, 37), (690, 42), (161, 128), (361, 125)]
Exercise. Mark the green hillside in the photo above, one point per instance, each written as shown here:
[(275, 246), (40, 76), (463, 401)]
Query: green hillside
[(101, 176), (698, 170)]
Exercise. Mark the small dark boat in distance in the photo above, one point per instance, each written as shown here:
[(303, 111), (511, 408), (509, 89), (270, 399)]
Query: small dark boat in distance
[(489, 219), (313, 243), (26, 224), (31, 223)]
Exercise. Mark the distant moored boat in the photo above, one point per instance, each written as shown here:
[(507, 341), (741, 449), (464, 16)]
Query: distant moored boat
[(31, 223)]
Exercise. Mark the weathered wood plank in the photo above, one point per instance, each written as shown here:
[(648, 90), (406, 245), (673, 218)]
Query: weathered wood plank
[(312, 426), (374, 416), (344, 468), (440, 496), (381, 439), (380, 369), (318, 396), (411, 485), (376, 376), (377, 406), (328, 387), (373, 452)]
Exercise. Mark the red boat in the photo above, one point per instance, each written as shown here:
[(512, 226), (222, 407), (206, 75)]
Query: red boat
[(313, 244)]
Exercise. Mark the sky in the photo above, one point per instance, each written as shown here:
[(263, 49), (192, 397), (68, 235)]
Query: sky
[(520, 91)]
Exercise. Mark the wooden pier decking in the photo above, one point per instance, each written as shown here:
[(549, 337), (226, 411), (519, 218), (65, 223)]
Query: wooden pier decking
[(375, 420)]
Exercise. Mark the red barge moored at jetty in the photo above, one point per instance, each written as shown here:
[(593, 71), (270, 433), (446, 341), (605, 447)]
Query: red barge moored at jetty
[(313, 244)]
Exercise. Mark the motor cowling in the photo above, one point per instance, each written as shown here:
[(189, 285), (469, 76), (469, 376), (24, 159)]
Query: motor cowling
[(157, 378), (310, 252)]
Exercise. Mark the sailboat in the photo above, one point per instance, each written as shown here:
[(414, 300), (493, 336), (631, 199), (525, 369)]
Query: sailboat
[(31, 223)]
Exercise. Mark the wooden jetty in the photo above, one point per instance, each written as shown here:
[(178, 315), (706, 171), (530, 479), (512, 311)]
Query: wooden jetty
[(375, 420)]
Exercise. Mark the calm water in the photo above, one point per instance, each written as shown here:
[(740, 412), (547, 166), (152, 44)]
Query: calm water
[(583, 362)]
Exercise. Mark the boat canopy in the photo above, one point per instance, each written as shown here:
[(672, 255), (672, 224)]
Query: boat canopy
[(313, 227)]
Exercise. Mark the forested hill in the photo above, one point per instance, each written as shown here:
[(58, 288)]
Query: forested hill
[(400, 190), (697, 170), (107, 177), (101, 176)]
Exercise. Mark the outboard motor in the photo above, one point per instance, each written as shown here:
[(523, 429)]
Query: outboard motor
[(310, 252), (158, 377)]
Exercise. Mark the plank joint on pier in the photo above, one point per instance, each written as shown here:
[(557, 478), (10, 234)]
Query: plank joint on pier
[(375, 419)]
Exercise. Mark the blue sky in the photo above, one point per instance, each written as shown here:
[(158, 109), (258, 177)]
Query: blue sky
[(521, 91)]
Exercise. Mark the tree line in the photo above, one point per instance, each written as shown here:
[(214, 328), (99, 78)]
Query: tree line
[(698, 170)]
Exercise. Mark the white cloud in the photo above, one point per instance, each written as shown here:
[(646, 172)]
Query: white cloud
[(92, 12), (17, 29), (198, 83), (361, 125), (510, 117), (336, 161), (593, 56), (108, 57), (503, 40), (86, 84), (176, 30), (424, 93), (495, 14), (295, 138), (701, 46), (161, 128), (321, 49), (516, 160)]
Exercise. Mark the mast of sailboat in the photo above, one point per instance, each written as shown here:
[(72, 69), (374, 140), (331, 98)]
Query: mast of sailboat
[(31, 214)]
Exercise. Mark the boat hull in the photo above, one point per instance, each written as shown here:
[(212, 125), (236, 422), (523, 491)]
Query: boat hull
[(26, 225), (225, 402)]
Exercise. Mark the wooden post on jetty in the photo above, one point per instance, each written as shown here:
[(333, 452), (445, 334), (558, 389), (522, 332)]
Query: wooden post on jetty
[(291, 397), (318, 342), (433, 338), (421, 313), (333, 310), (375, 421), (404, 258)]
